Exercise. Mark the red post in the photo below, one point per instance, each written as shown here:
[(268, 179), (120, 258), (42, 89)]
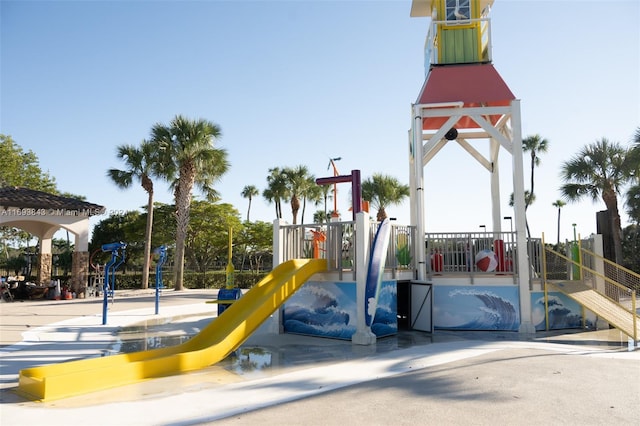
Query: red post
[(498, 248), (437, 262)]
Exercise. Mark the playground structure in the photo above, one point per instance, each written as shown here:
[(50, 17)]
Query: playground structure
[(491, 280), (387, 275)]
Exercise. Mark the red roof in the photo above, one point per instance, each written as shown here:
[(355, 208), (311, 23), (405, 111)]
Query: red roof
[(473, 84)]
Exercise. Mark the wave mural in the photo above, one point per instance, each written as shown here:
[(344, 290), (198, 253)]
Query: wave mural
[(477, 308), (385, 322), (564, 312), (328, 309)]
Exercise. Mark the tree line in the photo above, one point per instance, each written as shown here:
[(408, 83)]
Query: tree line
[(601, 171), (183, 154)]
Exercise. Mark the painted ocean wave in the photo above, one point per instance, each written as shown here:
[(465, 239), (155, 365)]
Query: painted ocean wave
[(320, 309), (563, 314), (329, 310), (495, 313), (336, 331), (325, 315)]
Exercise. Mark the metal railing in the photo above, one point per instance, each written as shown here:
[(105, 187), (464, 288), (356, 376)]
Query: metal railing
[(447, 253), (619, 282), (401, 254), (607, 278), (335, 241), (477, 254), (616, 281)]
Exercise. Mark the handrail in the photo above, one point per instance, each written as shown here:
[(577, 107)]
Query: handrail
[(617, 267), (624, 289), (449, 253), (593, 272)]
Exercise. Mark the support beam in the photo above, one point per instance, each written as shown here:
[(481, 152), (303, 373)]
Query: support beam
[(356, 188), (526, 325)]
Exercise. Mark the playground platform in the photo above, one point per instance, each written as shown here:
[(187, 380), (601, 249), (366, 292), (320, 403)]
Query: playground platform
[(568, 377)]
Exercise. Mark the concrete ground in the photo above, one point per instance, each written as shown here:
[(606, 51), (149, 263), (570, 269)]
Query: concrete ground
[(569, 377)]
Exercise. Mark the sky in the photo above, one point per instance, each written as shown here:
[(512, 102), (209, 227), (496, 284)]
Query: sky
[(300, 82)]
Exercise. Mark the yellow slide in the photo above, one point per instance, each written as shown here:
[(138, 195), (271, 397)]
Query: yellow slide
[(221, 337)]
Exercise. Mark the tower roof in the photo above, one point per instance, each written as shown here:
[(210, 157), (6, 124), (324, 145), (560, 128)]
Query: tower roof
[(476, 85)]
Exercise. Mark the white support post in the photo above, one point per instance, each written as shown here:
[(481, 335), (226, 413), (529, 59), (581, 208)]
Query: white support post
[(418, 195), (526, 325), (412, 180), (82, 235), (278, 243), (495, 187), (363, 334), (275, 325)]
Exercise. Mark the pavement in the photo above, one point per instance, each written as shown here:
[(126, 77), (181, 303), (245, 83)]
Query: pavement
[(472, 378)]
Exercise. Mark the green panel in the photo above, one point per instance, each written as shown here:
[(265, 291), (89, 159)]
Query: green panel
[(459, 46)]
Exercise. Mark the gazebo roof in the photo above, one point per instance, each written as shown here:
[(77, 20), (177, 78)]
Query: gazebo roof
[(13, 197)]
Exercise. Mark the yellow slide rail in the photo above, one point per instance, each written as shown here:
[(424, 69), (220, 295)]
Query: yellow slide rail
[(214, 343)]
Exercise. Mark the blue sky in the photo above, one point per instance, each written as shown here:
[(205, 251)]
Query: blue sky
[(299, 82)]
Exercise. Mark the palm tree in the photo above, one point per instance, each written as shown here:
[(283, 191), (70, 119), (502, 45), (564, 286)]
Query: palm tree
[(382, 191), (325, 191), (249, 192), (559, 204), (633, 194), (320, 216), (598, 170), (529, 198), (312, 193), (297, 181), (139, 162), (534, 144), (276, 189), (188, 159)]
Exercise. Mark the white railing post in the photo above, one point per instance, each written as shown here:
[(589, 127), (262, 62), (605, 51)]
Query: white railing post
[(278, 242)]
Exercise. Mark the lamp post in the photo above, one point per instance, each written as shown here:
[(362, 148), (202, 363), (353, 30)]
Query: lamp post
[(335, 185), (483, 239), (510, 222)]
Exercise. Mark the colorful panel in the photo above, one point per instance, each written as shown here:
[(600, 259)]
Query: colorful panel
[(476, 308), (459, 46), (564, 312), (328, 309)]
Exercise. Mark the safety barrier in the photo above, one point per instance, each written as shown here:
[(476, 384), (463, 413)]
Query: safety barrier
[(601, 276), (447, 253)]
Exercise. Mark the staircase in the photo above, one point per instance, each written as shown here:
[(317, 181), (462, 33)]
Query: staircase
[(614, 313), (589, 280)]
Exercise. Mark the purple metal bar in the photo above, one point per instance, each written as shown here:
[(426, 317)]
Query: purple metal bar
[(356, 188)]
